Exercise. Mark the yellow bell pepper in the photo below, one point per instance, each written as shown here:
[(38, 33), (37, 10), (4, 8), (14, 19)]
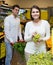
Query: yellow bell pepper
[(49, 42)]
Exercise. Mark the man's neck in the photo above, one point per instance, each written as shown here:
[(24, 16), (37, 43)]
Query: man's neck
[(14, 15)]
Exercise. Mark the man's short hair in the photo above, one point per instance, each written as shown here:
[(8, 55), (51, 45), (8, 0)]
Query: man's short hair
[(15, 6)]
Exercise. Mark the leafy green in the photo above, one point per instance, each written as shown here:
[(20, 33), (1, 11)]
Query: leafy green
[(19, 46)]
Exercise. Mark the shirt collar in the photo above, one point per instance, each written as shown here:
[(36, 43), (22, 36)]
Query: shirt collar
[(13, 16)]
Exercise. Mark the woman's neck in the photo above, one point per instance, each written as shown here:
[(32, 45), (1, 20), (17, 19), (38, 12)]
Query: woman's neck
[(36, 20)]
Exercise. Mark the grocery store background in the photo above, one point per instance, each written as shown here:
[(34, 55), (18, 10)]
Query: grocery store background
[(46, 7)]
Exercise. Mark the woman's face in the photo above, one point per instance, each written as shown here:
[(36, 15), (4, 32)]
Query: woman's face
[(35, 13)]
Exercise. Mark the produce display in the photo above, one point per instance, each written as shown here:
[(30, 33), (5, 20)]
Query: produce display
[(49, 42), (1, 28), (2, 50), (36, 37), (41, 59)]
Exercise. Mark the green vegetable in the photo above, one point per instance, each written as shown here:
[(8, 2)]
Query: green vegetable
[(41, 59), (20, 47), (36, 37)]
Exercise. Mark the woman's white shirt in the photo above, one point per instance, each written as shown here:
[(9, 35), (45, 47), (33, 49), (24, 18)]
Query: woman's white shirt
[(43, 28)]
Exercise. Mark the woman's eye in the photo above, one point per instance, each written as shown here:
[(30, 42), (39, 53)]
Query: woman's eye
[(36, 12), (33, 12)]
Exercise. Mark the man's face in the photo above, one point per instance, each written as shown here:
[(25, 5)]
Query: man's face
[(15, 11)]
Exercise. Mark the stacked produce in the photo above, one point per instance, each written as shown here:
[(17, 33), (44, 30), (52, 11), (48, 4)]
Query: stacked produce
[(41, 59)]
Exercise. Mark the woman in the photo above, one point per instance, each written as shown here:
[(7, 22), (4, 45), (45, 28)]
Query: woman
[(36, 25)]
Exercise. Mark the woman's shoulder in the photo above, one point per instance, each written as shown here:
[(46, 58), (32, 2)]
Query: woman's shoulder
[(29, 23), (45, 21)]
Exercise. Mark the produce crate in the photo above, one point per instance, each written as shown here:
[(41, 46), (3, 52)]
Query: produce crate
[(2, 50), (2, 61), (1, 37)]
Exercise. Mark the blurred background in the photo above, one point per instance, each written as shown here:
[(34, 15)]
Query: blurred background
[(46, 7)]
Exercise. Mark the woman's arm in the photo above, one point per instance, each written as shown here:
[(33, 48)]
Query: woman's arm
[(47, 31), (27, 36)]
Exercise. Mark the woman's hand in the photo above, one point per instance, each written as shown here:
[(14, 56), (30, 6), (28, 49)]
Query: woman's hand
[(36, 37), (34, 34), (40, 40)]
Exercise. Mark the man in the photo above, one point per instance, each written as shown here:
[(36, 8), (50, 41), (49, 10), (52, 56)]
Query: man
[(12, 32)]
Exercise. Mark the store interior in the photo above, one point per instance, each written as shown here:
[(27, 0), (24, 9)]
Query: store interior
[(46, 7)]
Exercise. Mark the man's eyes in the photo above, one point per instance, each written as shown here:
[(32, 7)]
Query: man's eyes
[(16, 10)]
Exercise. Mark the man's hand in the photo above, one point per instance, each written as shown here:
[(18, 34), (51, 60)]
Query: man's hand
[(12, 44), (21, 40)]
